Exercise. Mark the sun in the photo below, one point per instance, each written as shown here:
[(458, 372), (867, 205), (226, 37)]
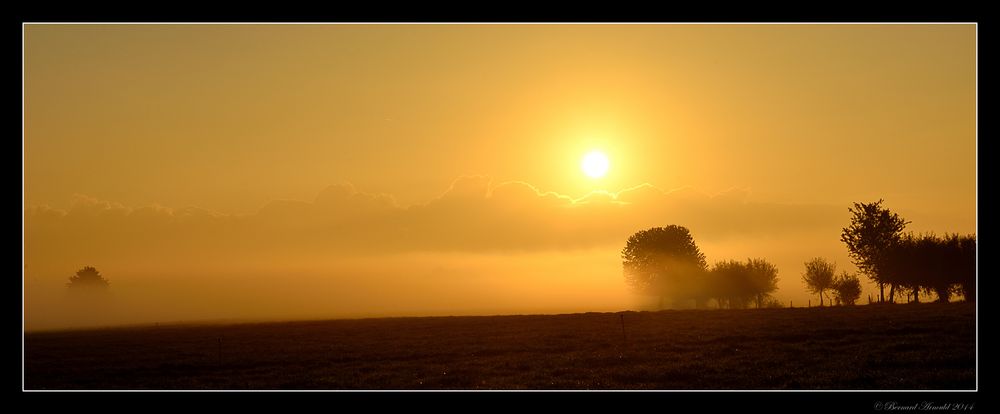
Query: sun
[(595, 164)]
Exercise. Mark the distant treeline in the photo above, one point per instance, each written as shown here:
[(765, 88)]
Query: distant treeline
[(820, 279), (928, 263), (665, 262), (943, 265)]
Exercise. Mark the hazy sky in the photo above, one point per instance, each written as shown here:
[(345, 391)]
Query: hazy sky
[(228, 171)]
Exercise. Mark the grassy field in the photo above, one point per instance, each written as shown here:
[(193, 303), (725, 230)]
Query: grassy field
[(915, 346)]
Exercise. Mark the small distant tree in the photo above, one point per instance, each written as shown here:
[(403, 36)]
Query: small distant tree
[(88, 277), (966, 266), (847, 288), (730, 284), (736, 284), (663, 261), (819, 276), (763, 279), (909, 262), (949, 275), (873, 231), (932, 273)]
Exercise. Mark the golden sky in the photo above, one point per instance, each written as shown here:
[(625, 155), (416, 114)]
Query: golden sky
[(268, 171)]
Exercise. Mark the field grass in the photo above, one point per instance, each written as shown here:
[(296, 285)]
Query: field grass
[(915, 346)]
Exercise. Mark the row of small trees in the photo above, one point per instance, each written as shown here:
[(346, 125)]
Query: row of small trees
[(666, 262), (879, 248), (735, 285), (931, 264), (820, 279)]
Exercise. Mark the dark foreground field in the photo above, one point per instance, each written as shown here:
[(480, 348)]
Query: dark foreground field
[(924, 346)]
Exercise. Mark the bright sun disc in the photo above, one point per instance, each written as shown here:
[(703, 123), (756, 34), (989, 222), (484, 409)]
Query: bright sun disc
[(595, 164)]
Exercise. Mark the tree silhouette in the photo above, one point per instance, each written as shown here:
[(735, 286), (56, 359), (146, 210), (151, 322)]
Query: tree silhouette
[(941, 265), (928, 262), (904, 262), (819, 276), (735, 284), (847, 288), (948, 275), (763, 279), (966, 266), (88, 277), (872, 232), (663, 261), (957, 269), (729, 284)]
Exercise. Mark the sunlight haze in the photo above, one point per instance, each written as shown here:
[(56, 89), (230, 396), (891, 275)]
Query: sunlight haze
[(266, 172)]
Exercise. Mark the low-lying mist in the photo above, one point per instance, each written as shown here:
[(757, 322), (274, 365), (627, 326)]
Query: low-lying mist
[(477, 249), (391, 285), (412, 284)]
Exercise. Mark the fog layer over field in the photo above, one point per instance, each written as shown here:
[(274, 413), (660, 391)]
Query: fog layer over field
[(480, 248)]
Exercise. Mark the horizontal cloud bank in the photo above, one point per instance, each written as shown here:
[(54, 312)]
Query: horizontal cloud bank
[(479, 248), (472, 215)]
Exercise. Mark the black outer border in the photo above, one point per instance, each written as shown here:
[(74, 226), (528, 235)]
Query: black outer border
[(710, 401)]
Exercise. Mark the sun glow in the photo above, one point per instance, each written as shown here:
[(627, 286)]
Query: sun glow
[(595, 164)]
